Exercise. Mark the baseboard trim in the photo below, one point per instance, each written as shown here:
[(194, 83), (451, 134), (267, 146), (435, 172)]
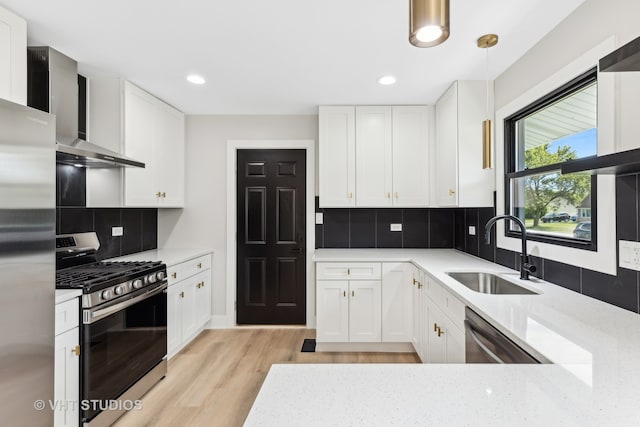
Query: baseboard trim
[(379, 347)]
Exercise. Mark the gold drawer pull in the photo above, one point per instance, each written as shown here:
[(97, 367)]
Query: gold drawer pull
[(440, 331), (451, 192), (351, 195), (158, 194), (348, 272), (199, 265), (181, 294), (174, 275), (76, 350), (435, 327), (344, 294), (396, 194), (388, 195), (353, 293)]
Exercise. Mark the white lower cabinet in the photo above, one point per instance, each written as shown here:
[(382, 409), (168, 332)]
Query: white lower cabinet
[(445, 326), (397, 302), (66, 392), (188, 302), (349, 311)]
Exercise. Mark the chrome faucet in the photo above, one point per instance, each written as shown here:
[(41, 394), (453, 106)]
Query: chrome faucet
[(525, 265)]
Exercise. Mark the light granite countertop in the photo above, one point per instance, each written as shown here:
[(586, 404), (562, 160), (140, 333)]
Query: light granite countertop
[(595, 348), (170, 256), (64, 295)]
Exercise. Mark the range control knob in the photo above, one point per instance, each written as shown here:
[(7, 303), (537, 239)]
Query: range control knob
[(151, 278), (106, 294), (137, 284), (118, 290), (160, 275)]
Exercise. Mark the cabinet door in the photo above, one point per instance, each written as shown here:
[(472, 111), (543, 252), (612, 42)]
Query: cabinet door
[(203, 298), (140, 188), (174, 318), (67, 379), (189, 308), (411, 156), (337, 156), (365, 322), (169, 156), (417, 311), (446, 148), (373, 156), (455, 343), (397, 302), (13, 57), (436, 347), (332, 311)]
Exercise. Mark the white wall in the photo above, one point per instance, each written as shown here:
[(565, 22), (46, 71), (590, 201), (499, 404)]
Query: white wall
[(202, 223), (574, 46)]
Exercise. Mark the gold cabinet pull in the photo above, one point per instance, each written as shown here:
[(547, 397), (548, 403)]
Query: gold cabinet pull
[(350, 195), (353, 293), (414, 281), (158, 194), (164, 194), (388, 195), (181, 294), (76, 350), (396, 194), (451, 192), (419, 285), (440, 331), (344, 294), (435, 327), (199, 265), (348, 272), (174, 275)]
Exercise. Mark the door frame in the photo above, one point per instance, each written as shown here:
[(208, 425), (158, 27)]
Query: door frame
[(232, 158)]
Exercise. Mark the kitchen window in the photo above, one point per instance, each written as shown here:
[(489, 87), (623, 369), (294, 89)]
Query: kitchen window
[(559, 127)]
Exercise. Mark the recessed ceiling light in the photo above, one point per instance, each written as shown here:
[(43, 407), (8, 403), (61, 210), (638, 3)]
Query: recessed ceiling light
[(196, 79), (387, 80)]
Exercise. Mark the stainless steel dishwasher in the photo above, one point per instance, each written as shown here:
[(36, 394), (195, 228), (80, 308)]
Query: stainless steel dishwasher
[(485, 344)]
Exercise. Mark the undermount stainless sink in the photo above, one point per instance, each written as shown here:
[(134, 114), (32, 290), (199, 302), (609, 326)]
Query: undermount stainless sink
[(487, 283)]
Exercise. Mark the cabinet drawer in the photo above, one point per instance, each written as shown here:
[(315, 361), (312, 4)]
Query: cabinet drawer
[(67, 316), (433, 290), (348, 270), (196, 265), (174, 274), (453, 308)]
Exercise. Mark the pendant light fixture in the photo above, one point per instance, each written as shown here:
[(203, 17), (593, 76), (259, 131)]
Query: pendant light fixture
[(428, 22), (485, 42)]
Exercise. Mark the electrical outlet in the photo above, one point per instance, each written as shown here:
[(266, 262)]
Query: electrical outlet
[(472, 230), (319, 218), (117, 231), (396, 227), (629, 255)]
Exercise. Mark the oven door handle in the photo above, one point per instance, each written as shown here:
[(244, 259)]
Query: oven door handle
[(91, 316)]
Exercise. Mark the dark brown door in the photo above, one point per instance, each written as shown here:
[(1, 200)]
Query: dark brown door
[(271, 241)]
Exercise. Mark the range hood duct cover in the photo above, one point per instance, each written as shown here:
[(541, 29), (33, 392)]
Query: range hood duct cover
[(53, 88)]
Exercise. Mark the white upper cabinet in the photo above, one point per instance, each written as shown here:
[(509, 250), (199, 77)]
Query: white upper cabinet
[(154, 133), (410, 156), (128, 120), (337, 156), (374, 156), (460, 179), (13, 57)]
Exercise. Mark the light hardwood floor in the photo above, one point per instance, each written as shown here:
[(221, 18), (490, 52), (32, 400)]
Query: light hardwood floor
[(214, 381)]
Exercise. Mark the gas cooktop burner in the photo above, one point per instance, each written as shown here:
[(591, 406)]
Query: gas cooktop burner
[(99, 275)]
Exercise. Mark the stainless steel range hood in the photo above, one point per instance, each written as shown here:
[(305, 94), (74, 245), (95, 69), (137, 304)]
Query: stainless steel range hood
[(53, 87)]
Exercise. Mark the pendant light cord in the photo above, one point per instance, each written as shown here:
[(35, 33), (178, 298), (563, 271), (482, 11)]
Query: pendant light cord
[(487, 81)]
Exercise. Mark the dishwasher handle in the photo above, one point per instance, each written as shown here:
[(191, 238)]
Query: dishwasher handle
[(472, 333)]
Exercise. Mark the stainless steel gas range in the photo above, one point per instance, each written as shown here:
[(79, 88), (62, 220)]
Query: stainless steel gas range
[(123, 327)]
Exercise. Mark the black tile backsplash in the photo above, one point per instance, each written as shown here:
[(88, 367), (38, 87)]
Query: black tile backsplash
[(385, 238), (415, 228), (441, 228), (140, 228), (565, 275), (363, 228), (336, 228)]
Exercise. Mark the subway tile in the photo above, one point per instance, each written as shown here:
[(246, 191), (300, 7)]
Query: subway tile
[(415, 228), (149, 229), (487, 252), (441, 228), (506, 258), (471, 241), (561, 274), (627, 207), (363, 228), (104, 220), (620, 290), (336, 228), (460, 240), (76, 220), (386, 238), (133, 231)]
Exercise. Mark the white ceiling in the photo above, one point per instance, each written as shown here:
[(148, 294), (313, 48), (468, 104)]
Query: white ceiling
[(283, 56)]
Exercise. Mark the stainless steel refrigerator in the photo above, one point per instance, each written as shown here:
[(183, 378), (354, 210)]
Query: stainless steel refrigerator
[(27, 265)]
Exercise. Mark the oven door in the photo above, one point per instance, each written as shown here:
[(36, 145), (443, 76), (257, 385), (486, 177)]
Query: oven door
[(121, 342)]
